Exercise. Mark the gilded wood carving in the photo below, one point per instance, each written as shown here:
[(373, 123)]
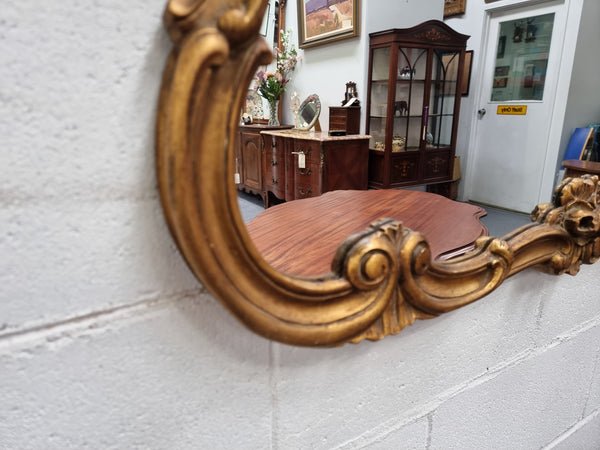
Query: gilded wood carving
[(382, 279)]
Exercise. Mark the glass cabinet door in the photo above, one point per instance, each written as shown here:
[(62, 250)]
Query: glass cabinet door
[(408, 103), (380, 73), (440, 111)]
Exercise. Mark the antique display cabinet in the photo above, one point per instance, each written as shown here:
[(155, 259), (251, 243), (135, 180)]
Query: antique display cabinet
[(413, 104)]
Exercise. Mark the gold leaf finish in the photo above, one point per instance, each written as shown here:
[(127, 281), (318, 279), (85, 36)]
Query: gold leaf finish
[(383, 278)]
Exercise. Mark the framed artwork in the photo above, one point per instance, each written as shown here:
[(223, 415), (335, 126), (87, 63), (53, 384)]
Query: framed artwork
[(351, 93), (501, 47), (322, 21), (466, 78), (254, 107), (454, 7), (501, 76), (264, 27), (451, 63)]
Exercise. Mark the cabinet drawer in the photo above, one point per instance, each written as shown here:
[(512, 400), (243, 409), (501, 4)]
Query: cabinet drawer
[(311, 150), (404, 170), (304, 191), (306, 181), (275, 167), (437, 165), (337, 123), (309, 176)]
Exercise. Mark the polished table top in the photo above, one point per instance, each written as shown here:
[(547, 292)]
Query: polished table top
[(578, 167), (301, 237)]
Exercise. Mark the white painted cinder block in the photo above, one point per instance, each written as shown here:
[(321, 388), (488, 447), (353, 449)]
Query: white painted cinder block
[(401, 378), (69, 259), (82, 225), (583, 436), (526, 404), (162, 376)]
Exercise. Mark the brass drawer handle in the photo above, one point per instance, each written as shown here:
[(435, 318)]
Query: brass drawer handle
[(305, 171), (301, 191)]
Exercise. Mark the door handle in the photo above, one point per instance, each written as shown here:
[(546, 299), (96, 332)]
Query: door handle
[(481, 112)]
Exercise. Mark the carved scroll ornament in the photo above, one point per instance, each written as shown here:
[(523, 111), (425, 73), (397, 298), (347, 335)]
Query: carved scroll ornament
[(382, 279)]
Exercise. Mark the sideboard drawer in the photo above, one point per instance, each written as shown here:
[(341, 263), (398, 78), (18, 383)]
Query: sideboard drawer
[(348, 119)]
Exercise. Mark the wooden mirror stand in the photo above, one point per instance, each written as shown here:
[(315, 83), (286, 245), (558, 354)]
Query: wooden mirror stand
[(382, 279)]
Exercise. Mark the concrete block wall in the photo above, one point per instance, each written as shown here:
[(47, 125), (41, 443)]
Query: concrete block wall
[(107, 340)]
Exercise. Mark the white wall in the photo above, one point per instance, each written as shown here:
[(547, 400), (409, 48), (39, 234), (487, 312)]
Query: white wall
[(583, 105), (577, 99), (326, 69), (107, 341)]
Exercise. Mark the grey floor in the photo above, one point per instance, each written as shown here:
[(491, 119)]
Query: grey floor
[(498, 221)]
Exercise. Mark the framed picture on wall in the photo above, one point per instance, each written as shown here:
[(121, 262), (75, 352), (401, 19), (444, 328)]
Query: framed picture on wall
[(501, 47), (322, 21), (466, 78), (451, 63), (264, 27), (454, 7)]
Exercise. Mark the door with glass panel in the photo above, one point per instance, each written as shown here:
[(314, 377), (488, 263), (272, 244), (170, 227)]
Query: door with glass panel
[(516, 103)]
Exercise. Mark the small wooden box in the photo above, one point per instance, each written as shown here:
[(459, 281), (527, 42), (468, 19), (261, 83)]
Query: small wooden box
[(347, 119)]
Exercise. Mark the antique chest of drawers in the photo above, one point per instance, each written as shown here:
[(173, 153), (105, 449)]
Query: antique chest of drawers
[(300, 164)]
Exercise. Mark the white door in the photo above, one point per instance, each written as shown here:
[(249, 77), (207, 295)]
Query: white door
[(517, 96)]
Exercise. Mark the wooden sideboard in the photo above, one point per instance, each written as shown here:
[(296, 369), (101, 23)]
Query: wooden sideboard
[(301, 164), (249, 160)]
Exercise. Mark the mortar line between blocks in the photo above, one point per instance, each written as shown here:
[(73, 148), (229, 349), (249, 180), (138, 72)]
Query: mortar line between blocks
[(89, 320), (591, 387), (564, 436), (274, 392), (389, 426)]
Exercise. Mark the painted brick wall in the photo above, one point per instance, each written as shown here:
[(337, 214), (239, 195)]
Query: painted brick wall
[(107, 340)]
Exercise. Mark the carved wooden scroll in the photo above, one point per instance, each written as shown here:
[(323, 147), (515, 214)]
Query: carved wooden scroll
[(382, 279)]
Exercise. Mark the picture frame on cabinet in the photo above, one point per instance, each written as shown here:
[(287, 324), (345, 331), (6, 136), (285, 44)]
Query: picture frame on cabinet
[(320, 24), (454, 7), (466, 78), (254, 107)]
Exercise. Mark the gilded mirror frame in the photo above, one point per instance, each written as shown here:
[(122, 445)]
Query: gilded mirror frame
[(381, 279)]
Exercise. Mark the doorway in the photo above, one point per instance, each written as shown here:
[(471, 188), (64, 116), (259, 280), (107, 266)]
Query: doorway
[(515, 107)]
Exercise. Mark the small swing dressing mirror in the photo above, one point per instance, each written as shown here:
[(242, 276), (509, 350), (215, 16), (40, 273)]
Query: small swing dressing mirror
[(308, 113)]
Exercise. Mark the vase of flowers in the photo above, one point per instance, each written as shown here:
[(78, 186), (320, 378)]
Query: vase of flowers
[(271, 84)]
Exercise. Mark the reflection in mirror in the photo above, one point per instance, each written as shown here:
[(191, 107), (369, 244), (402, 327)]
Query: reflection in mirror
[(272, 25), (308, 113), (382, 279)]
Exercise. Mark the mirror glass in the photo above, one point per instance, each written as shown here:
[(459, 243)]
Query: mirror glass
[(256, 108), (309, 112)]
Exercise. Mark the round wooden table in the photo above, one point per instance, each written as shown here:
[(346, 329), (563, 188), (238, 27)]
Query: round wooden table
[(301, 237), (576, 167)]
